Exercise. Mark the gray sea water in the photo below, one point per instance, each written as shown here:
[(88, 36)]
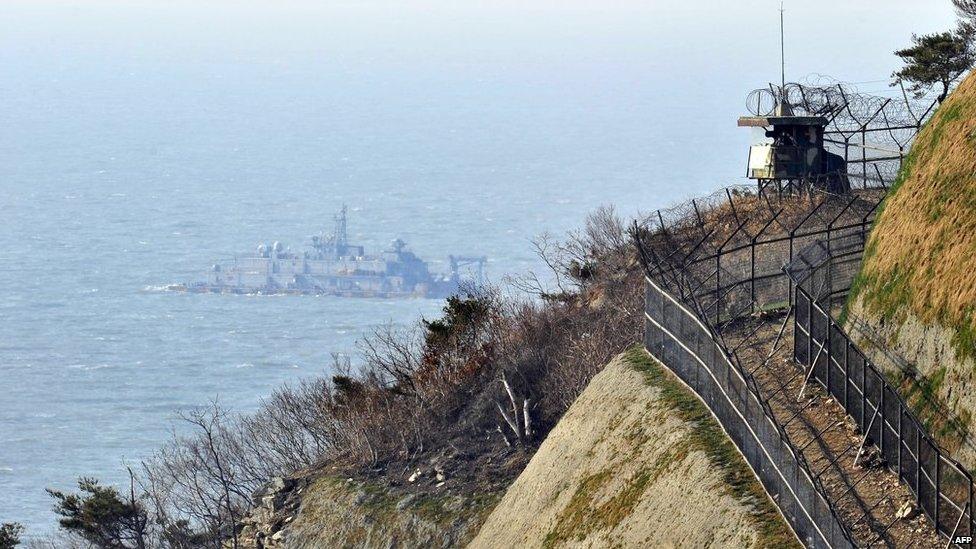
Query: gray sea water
[(140, 143)]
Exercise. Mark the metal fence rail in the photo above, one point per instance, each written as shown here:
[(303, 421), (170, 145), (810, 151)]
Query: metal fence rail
[(735, 270), (698, 289), (715, 260), (677, 338), (944, 488)]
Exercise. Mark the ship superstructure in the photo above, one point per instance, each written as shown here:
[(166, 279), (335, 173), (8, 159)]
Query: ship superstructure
[(333, 266)]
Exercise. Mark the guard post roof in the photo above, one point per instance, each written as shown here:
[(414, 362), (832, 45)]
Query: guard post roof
[(766, 121)]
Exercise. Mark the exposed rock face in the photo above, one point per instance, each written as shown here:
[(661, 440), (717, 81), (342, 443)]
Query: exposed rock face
[(275, 505), (913, 306), (937, 381), (342, 512), (622, 469)]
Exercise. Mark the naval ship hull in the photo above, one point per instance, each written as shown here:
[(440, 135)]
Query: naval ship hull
[(334, 267)]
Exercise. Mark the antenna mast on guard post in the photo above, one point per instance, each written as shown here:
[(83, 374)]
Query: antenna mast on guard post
[(795, 159), (782, 48)]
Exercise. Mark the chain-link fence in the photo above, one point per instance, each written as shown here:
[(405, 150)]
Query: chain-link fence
[(718, 260), (716, 271), (822, 275), (676, 337), (729, 249), (741, 251)]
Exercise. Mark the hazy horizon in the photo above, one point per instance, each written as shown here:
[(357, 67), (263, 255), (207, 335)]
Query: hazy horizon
[(141, 141)]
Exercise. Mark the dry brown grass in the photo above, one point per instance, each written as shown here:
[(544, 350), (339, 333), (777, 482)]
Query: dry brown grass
[(922, 254), (721, 221)]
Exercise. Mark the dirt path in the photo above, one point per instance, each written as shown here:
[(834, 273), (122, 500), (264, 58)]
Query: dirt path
[(867, 496)]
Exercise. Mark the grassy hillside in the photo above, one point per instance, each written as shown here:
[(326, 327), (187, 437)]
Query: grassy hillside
[(921, 258), (913, 306)]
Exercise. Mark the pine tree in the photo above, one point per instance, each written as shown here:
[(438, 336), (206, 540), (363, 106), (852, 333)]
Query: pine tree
[(938, 59), (10, 535)]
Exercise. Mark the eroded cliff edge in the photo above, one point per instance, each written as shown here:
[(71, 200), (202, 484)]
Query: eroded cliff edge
[(636, 461), (913, 306)]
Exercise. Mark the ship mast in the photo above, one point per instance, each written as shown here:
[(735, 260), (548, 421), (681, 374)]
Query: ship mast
[(340, 235)]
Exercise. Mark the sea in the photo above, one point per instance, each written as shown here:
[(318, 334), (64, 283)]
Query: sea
[(141, 142)]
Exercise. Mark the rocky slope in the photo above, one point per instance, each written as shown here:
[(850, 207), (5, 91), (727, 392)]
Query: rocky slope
[(637, 461), (913, 306), (441, 500), (330, 511)]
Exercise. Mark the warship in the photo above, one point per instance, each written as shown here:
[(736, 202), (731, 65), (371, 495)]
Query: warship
[(333, 266)]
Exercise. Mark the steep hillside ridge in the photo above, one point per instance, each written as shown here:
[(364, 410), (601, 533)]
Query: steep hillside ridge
[(637, 461), (914, 302)]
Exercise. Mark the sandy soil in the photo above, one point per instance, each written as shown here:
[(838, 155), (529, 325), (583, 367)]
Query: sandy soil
[(617, 471)]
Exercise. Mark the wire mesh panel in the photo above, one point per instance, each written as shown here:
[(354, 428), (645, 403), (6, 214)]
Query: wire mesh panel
[(873, 391), (677, 339), (856, 399), (891, 411), (822, 274), (730, 247), (723, 271), (954, 497), (929, 459), (909, 464)]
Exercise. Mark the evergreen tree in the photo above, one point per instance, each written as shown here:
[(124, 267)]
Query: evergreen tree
[(10, 535), (967, 16), (99, 515), (938, 59)]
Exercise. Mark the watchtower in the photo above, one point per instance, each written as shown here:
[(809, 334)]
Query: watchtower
[(795, 157)]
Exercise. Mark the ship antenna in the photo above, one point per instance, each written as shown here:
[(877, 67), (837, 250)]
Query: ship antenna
[(341, 235)]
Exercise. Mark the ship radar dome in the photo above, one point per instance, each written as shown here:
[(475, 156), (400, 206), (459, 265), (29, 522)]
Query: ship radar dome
[(215, 268), (262, 249), (276, 246)]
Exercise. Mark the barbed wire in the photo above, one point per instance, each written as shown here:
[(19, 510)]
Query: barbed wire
[(845, 108), (871, 132)]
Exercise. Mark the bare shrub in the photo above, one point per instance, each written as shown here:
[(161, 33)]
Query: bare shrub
[(504, 366)]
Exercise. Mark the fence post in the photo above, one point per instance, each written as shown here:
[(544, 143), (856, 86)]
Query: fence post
[(938, 488), (864, 153), (718, 286), (918, 462), (829, 321), (810, 329), (796, 318), (901, 441), (881, 433), (752, 278), (864, 388), (791, 245), (847, 376)]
